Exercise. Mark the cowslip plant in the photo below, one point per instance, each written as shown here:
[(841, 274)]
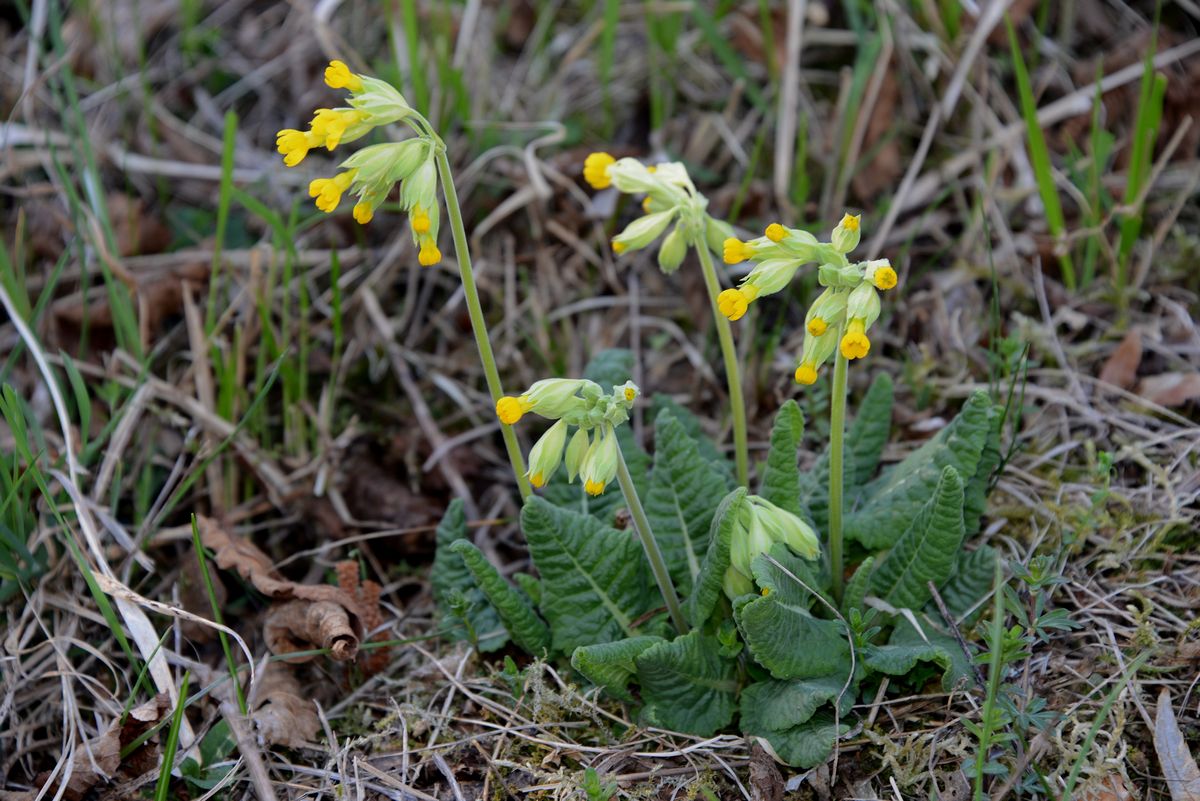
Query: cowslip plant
[(765, 642), (420, 166), (670, 197)]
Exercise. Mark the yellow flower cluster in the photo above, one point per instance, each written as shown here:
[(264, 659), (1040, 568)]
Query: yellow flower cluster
[(591, 452), (371, 172), (840, 317)]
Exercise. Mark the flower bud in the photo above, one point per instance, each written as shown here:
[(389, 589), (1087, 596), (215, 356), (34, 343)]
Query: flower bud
[(735, 584), (826, 311), (547, 454), (674, 248), (748, 542), (642, 231), (785, 527), (880, 273), (379, 101), (772, 275), (576, 449), (846, 235), (552, 397), (863, 303), (420, 188), (600, 462), (847, 276), (716, 232)]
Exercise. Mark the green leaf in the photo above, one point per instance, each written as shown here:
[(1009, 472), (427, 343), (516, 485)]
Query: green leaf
[(595, 582), (684, 494), (898, 660), (856, 587), (776, 581), (781, 476), (976, 489), (956, 666), (611, 665), (707, 589), (687, 686), (782, 634), (610, 367), (773, 706), (895, 498), (867, 435), (926, 550), (531, 586), (970, 581), (692, 425), (449, 576), (807, 744), (524, 626)]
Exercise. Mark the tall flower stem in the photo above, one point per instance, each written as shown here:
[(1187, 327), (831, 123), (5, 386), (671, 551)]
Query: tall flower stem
[(837, 432), (733, 375), (658, 565), (475, 311)]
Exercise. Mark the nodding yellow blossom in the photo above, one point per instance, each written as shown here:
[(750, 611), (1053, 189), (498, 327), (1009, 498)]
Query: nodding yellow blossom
[(806, 374), (766, 591), (884, 278), (652, 168), (363, 212), (330, 124), (595, 170), (630, 393), (420, 220), (776, 232), (589, 486), (510, 409), (328, 191), (737, 251), (647, 204), (619, 247), (817, 326), (339, 76), (850, 221), (429, 254), (855, 344), (733, 303), (294, 145)]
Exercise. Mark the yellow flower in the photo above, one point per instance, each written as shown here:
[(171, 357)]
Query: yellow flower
[(776, 232), (647, 204), (630, 393), (806, 373), (766, 591), (850, 221), (339, 76), (328, 191), (737, 251), (419, 220), (330, 124), (732, 303), (510, 409), (595, 170), (619, 247), (884, 278), (855, 344), (593, 487), (817, 326), (363, 213), (294, 145), (429, 254)]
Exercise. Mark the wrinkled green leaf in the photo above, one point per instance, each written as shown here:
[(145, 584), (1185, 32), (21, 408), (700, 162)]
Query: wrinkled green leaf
[(706, 591), (856, 587), (611, 665), (781, 476), (867, 435), (449, 575), (808, 744), (926, 550), (949, 654), (610, 367), (775, 580), (773, 706), (684, 493), (687, 686), (895, 498), (531, 586), (524, 626), (595, 582), (782, 634), (970, 581), (976, 487), (692, 425)]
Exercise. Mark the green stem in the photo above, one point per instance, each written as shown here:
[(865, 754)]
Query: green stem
[(658, 565), (837, 431), (733, 375), (475, 310)]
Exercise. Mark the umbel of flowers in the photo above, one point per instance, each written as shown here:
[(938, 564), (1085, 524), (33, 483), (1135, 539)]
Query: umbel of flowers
[(371, 173), (841, 315), (591, 452)]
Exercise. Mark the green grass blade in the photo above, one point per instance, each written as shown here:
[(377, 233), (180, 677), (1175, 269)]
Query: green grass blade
[(172, 745), (202, 558)]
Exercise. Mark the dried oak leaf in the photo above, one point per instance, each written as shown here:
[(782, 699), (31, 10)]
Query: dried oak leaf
[(282, 715), (308, 616), (1178, 765), (367, 594), (1121, 368)]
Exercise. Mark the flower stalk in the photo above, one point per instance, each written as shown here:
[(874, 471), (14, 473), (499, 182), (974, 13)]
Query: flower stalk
[(733, 377), (837, 433), (658, 565)]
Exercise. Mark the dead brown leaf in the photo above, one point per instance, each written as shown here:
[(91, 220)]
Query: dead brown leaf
[(1170, 389), (1121, 368), (886, 162), (1178, 766), (766, 783), (313, 615), (281, 713), (1108, 788), (367, 594)]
